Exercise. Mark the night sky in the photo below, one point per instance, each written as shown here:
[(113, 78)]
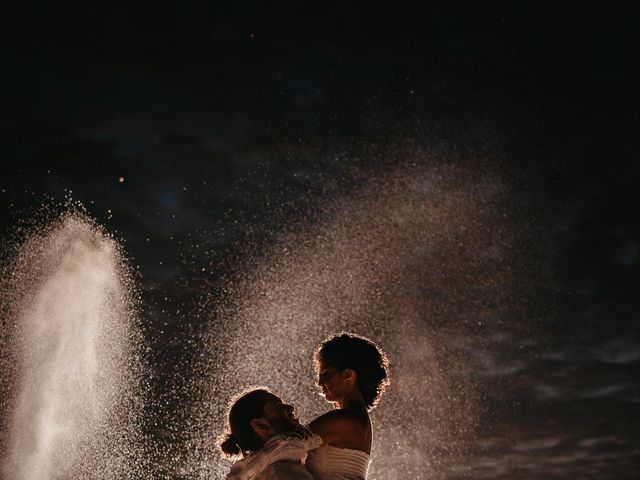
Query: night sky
[(202, 135)]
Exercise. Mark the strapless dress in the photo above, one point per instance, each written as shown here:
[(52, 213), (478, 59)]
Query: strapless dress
[(332, 463)]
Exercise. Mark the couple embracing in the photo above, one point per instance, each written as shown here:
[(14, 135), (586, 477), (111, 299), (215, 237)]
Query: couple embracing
[(353, 373)]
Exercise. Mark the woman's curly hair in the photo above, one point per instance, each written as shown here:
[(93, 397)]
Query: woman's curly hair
[(363, 356)]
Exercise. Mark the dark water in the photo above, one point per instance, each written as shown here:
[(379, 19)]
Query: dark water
[(457, 182)]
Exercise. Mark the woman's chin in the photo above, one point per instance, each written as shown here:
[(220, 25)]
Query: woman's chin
[(324, 396)]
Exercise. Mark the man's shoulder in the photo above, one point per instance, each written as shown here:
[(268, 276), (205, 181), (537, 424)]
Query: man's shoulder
[(278, 450), (285, 470)]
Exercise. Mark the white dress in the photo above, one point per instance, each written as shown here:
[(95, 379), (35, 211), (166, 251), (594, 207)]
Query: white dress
[(332, 463)]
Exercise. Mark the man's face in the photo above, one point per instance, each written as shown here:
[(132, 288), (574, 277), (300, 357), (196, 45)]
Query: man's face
[(280, 416)]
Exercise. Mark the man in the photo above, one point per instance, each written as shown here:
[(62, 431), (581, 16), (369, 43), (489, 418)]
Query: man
[(270, 438)]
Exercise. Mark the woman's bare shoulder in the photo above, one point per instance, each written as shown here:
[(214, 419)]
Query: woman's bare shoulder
[(338, 424)]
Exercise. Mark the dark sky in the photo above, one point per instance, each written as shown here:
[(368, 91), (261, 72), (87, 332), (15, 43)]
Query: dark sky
[(230, 124), (242, 97)]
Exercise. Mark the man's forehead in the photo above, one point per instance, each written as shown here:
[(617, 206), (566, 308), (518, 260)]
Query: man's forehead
[(272, 401)]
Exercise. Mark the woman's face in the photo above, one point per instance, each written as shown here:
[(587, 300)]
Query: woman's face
[(332, 382)]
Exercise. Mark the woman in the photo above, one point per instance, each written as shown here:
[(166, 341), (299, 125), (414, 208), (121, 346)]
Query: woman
[(353, 373)]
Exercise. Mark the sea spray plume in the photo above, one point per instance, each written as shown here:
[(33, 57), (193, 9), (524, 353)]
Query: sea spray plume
[(415, 259), (71, 331)]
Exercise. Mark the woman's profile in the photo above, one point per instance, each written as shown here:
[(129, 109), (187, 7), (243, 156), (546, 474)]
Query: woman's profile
[(353, 373)]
